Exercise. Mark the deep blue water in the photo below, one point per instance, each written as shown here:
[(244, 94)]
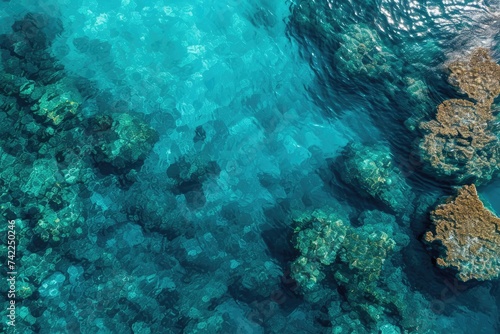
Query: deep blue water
[(251, 99)]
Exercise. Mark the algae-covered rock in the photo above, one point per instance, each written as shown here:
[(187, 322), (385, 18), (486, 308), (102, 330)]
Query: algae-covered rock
[(63, 223), (124, 145), (189, 171), (366, 251), (13, 85), (375, 289), (260, 277), (28, 46), (323, 21), (57, 104), (59, 209), (39, 265), (370, 170), (358, 260), (361, 52), (318, 237)]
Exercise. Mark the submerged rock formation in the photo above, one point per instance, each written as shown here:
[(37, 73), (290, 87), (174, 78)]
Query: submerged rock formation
[(318, 237), (460, 144), (469, 235), (124, 144), (362, 52), (357, 262), (371, 171), (479, 77)]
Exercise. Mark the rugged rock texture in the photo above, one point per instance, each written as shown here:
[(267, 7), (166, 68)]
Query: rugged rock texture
[(335, 256), (479, 77), (318, 237), (362, 52), (469, 234), (370, 170), (460, 144)]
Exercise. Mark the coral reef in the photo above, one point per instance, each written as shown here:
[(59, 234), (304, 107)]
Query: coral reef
[(460, 144), (57, 104), (308, 18), (122, 146), (359, 259), (40, 195), (361, 52), (468, 234), (121, 230), (371, 171), (317, 20), (373, 287), (318, 237), (478, 77), (46, 167)]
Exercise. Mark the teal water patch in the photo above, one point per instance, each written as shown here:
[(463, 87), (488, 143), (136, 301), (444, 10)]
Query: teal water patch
[(491, 193)]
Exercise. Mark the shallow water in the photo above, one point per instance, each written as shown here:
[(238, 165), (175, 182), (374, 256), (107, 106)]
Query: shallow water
[(242, 85)]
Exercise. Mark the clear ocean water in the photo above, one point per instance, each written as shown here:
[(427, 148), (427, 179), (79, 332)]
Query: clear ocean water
[(252, 104)]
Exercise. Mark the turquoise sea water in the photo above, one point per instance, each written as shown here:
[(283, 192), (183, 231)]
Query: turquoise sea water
[(252, 103)]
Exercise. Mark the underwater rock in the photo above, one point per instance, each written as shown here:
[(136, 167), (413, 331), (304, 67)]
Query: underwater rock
[(355, 50), (95, 48), (364, 253), (124, 145), (460, 144), (37, 180), (49, 206), (310, 19), (155, 210), (62, 219), (25, 289), (371, 171), (318, 237), (200, 134), (57, 104), (39, 29), (322, 21), (372, 285), (50, 288), (41, 178), (27, 47), (12, 85), (417, 99), (360, 262), (469, 236), (259, 278), (361, 52), (478, 77), (39, 265)]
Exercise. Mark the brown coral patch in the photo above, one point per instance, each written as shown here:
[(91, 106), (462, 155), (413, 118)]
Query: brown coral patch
[(478, 76), (459, 141), (470, 233)]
